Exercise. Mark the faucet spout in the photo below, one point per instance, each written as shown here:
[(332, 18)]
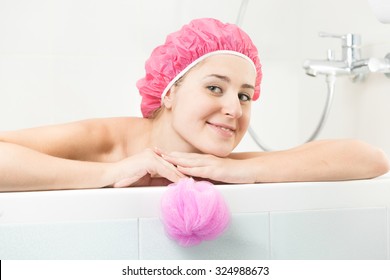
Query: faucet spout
[(326, 67)]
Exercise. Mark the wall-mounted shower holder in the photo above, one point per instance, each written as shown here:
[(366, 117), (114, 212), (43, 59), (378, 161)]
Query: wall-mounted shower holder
[(380, 65)]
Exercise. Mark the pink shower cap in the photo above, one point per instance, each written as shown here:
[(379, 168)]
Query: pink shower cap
[(184, 49)]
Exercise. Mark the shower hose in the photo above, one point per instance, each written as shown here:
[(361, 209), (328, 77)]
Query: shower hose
[(330, 81)]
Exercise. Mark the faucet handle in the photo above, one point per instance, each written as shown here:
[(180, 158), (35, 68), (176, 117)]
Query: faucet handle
[(350, 40), (330, 35), (350, 45)]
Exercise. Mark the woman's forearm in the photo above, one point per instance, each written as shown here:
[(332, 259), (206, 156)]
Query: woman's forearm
[(23, 169), (321, 161), (325, 160)]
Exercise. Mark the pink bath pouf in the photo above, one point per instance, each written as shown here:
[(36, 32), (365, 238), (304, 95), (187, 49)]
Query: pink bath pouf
[(193, 211)]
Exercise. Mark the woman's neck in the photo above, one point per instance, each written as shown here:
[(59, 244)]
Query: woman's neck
[(164, 136)]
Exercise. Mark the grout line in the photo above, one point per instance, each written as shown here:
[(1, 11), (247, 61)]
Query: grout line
[(138, 241), (269, 236), (388, 232)]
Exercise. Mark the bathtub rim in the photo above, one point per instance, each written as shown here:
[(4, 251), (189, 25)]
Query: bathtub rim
[(144, 202)]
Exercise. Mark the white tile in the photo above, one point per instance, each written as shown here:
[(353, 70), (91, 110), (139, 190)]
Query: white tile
[(70, 241), (246, 238), (329, 234)]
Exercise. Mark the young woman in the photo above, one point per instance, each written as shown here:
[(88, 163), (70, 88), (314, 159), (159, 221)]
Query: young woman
[(197, 96)]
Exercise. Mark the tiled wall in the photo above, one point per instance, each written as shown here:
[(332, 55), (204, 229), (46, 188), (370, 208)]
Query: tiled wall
[(361, 233)]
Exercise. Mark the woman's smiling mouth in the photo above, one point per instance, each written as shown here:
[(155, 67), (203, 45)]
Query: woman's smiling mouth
[(223, 130)]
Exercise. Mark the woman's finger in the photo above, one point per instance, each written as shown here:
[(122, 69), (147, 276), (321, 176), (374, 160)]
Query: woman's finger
[(167, 170), (195, 171)]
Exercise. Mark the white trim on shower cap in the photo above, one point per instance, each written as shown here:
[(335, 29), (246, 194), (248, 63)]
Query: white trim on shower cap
[(199, 59)]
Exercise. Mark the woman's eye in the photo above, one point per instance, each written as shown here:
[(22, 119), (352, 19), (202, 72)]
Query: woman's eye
[(244, 97), (215, 89)]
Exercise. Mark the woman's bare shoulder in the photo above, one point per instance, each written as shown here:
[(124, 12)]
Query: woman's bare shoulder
[(119, 127), (110, 136), (92, 139)]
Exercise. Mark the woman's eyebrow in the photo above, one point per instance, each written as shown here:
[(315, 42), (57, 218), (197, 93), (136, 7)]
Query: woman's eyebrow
[(221, 77), (227, 79), (248, 86)]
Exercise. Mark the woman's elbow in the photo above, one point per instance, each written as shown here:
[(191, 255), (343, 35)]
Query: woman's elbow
[(376, 161), (366, 161), (381, 163)]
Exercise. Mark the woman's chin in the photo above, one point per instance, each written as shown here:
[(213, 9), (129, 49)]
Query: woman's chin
[(219, 152)]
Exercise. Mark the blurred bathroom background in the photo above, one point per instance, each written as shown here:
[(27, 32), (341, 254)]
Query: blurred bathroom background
[(62, 61)]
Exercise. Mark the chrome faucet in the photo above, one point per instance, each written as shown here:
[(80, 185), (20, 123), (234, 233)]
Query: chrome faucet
[(350, 44), (350, 64)]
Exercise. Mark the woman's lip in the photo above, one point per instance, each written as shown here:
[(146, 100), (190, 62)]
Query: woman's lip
[(223, 129)]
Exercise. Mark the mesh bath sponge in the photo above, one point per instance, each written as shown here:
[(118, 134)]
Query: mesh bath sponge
[(193, 211), (186, 47)]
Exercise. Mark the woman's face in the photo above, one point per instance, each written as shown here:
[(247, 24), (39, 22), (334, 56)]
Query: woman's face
[(211, 105)]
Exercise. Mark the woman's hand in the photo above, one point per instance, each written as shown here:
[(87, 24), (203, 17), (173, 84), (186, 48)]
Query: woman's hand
[(211, 167), (143, 169)]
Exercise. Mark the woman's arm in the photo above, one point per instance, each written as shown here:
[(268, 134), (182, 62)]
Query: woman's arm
[(325, 160), (89, 140), (77, 155), (24, 169)]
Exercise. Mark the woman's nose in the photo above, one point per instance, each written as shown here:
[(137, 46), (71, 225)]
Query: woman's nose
[(232, 106)]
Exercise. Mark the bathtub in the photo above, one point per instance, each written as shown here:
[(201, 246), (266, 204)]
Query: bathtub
[(311, 220)]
